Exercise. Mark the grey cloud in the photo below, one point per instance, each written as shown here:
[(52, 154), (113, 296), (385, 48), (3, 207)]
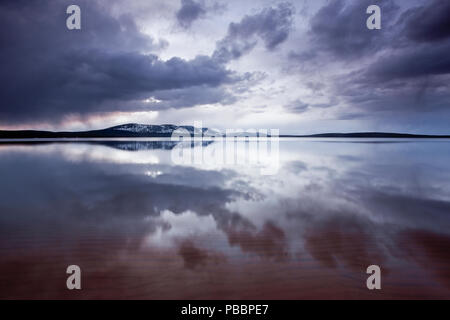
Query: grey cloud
[(272, 25), (188, 97), (189, 12), (92, 80), (339, 29), (406, 65), (248, 80), (428, 23), (423, 61), (49, 72), (372, 95), (298, 106), (302, 56), (315, 86)]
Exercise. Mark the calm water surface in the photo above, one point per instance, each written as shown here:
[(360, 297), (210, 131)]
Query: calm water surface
[(140, 226)]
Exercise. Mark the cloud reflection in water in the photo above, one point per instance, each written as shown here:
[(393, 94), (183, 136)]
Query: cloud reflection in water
[(191, 231)]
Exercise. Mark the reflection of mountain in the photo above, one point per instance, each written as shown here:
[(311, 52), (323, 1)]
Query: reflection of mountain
[(148, 145), (123, 145), (138, 145)]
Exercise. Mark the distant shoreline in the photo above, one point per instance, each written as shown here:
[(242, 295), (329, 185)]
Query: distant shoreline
[(167, 138), (366, 135), (166, 131)]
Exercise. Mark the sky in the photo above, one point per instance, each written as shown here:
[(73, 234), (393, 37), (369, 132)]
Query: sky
[(304, 66)]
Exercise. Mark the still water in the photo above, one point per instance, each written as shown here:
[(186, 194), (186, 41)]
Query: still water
[(143, 227)]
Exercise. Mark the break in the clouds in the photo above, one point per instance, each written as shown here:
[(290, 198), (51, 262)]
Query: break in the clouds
[(298, 66)]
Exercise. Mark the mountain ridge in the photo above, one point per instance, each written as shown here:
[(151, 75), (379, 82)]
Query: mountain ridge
[(136, 130)]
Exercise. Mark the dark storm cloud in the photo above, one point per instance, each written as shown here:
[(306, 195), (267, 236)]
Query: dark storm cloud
[(399, 97), (89, 80), (428, 23), (423, 61), (189, 12), (272, 25), (404, 67), (402, 81), (49, 72), (339, 28), (424, 36)]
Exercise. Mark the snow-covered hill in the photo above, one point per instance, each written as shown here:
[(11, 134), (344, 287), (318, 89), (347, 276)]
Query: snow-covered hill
[(144, 129)]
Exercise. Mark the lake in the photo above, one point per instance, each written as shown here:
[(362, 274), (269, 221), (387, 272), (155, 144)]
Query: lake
[(141, 225)]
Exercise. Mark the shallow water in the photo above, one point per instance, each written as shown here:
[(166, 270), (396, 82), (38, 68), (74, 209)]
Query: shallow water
[(140, 225)]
